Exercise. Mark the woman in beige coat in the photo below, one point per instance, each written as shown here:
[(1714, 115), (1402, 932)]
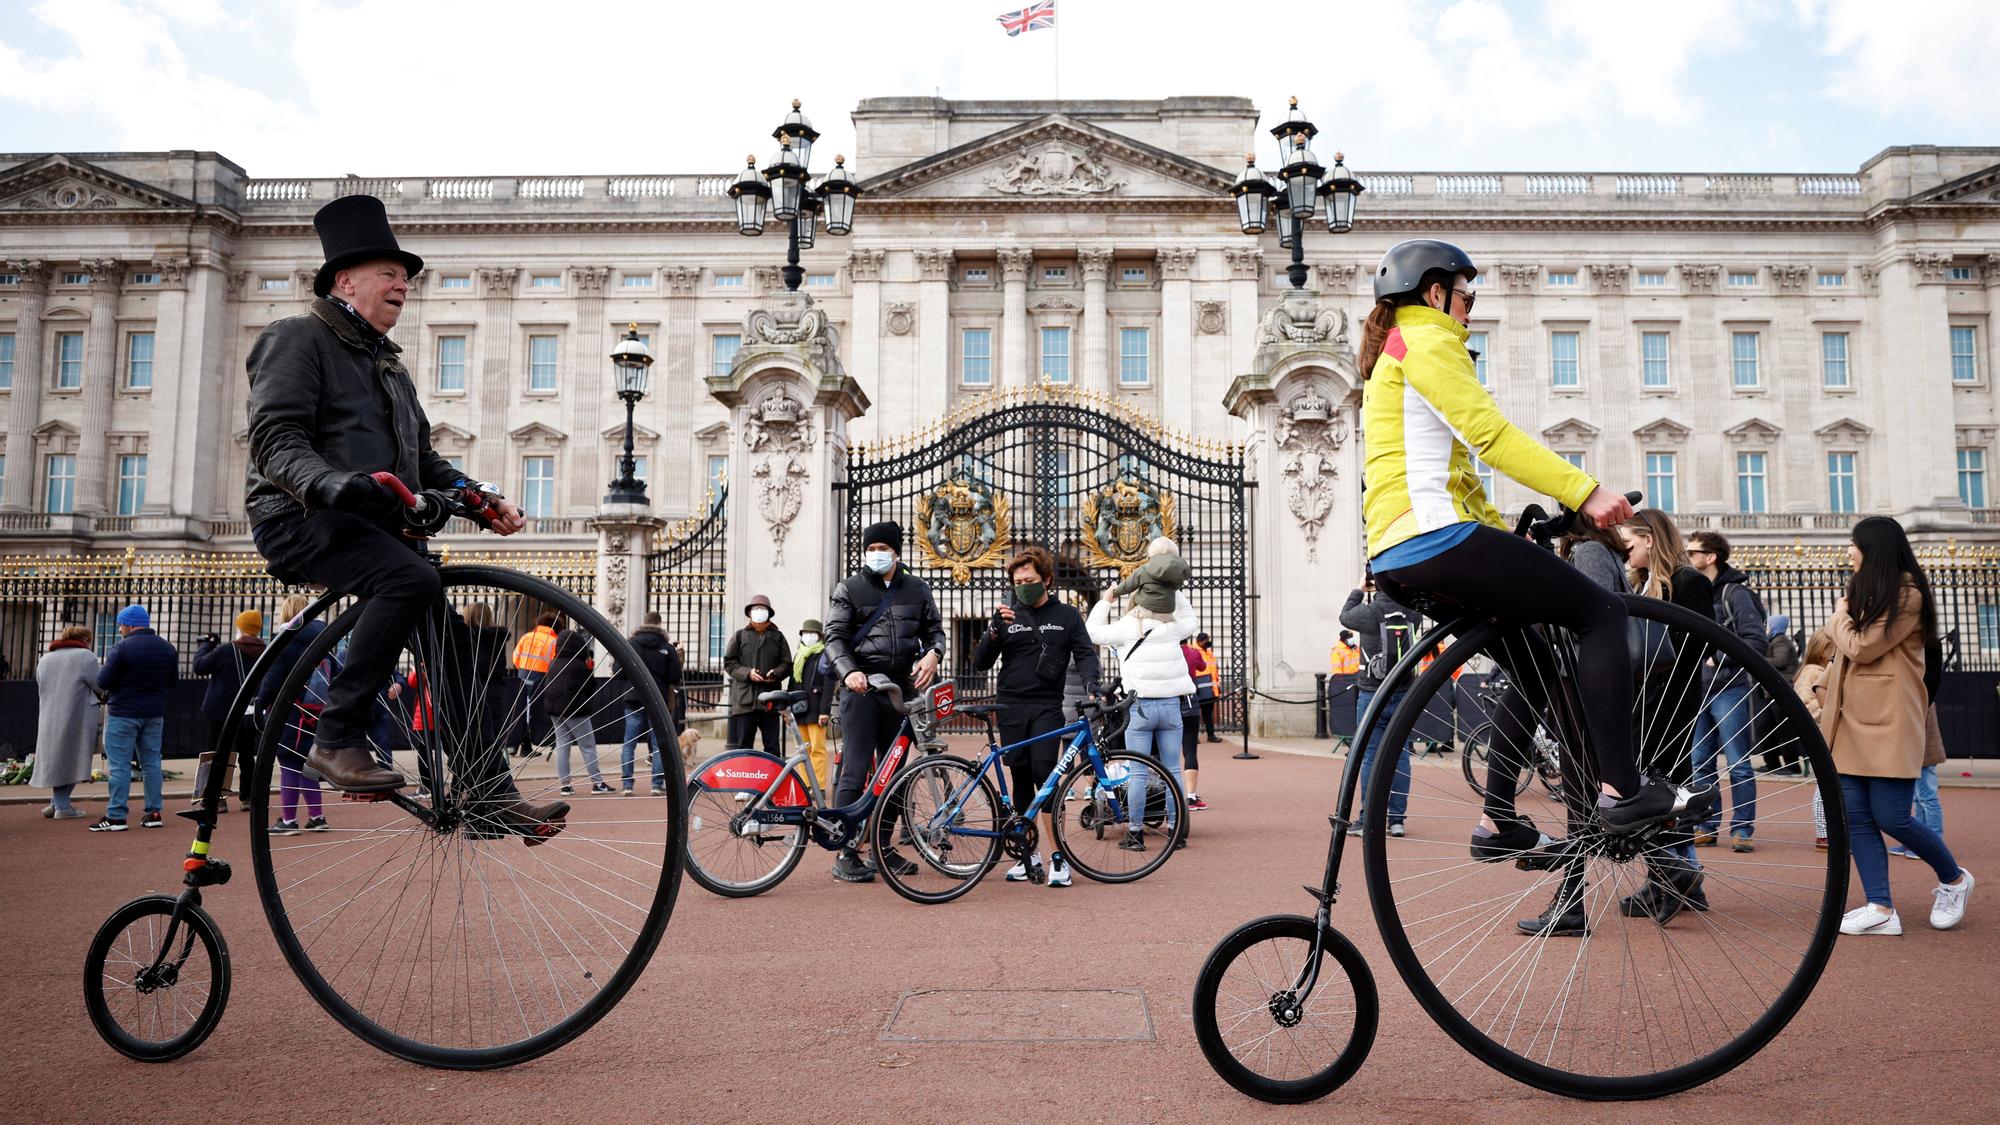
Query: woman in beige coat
[(1873, 716)]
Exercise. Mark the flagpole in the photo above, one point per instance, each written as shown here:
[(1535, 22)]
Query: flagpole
[(1058, 56)]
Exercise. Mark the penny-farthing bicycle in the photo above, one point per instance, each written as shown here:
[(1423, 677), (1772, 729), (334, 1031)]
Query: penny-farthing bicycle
[(435, 922), (1596, 965)]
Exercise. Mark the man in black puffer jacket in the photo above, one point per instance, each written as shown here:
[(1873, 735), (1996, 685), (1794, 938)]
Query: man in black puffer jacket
[(663, 663)]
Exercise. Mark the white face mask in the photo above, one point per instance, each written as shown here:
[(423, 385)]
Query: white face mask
[(760, 615), (808, 639), (879, 561)]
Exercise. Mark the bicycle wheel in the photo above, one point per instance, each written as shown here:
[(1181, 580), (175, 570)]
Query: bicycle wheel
[(1099, 839), (447, 926), (1257, 1032), (731, 854), (156, 1014), (1647, 973), (1478, 756), (921, 828)]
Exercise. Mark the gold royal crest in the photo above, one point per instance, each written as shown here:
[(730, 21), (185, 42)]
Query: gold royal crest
[(963, 526), (1118, 522)]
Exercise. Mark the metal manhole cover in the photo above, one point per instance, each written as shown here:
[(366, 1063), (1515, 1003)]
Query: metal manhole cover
[(1020, 1015)]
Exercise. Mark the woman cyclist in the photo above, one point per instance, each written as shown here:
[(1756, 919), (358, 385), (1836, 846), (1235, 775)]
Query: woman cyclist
[(1431, 528)]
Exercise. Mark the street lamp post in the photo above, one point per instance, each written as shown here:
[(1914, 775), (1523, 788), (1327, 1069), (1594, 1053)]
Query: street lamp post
[(1295, 190), (784, 189), (633, 363)]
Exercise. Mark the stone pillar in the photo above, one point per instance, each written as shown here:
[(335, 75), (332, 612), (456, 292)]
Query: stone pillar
[(1916, 317), (24, 410), (864, 266), (1301, 401), (1098, 372), (177, 400), (1017, 363), (933, 390), (497, 380), (1700, 472), (677, 380), (587, 389), (790, 408), (624, 538), (1177, 336), (100, 377)]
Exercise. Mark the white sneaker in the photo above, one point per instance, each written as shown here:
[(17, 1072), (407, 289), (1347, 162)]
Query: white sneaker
[(1058, 872), (1018, 873), (1865, 919), (1950, 908)]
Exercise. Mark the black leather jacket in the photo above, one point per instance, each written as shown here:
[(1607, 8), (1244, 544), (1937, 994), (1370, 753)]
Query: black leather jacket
[(911, 627), (325, 402)]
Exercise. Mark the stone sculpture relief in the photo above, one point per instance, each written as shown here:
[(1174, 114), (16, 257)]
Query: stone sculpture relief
[(1309, 434)]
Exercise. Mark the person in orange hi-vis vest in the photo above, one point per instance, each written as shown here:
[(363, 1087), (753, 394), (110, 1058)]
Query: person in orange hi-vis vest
[(1346, 657), (533, 654)]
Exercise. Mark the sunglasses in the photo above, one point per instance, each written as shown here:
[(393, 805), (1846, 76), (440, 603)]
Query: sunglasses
[(1469, 296)]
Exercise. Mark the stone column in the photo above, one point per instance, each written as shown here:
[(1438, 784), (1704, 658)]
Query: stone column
[(933, 391), (24, 411), (677, 385), (1016, 361), (100, 378), (1699, 464), (791, 405), (1177, 337), (177, 401), (587, 387), (624, 538), (1098, 372), (1916, 319), (496, 378)]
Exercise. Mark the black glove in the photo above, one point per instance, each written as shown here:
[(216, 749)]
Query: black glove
[(358, 493), (1093, 689)]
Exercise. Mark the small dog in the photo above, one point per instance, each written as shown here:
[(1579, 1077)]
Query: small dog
[(690, 738)]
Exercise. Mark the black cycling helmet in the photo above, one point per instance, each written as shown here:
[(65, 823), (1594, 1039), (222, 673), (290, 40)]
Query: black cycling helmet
[(1404, 266)]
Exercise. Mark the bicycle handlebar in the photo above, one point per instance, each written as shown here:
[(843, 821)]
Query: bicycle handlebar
[(425, 513), (1539, 526)]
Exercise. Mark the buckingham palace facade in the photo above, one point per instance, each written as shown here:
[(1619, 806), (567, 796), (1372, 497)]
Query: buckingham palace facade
[(1771, 353)]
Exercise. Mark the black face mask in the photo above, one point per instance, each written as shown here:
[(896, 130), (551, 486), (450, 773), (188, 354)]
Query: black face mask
[(1030, 593)]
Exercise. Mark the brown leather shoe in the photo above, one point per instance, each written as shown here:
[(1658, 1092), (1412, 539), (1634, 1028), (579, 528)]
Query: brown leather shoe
[(538, 822), (351, 769)]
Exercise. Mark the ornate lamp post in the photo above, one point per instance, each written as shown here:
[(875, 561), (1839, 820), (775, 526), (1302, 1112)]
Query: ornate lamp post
[(786, 191), (634, 364), (1295, 191)]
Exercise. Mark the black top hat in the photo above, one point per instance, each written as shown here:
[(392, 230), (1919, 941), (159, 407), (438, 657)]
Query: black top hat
[(352, 230)]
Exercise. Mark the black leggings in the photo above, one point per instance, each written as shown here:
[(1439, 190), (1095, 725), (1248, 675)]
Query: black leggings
[(1520, 583)]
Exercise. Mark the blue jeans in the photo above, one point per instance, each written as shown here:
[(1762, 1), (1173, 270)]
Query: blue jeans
[(1399, 793), (1876, 805), (1155, 730), (1929, 813), (1724, 725), (121, 736), (637, 726)]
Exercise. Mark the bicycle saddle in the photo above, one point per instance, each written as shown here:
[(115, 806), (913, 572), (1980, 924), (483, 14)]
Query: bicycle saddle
[(978, 709), (780, 698)]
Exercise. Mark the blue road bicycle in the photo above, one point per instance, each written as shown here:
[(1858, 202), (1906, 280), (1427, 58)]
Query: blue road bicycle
[(1121, 817)]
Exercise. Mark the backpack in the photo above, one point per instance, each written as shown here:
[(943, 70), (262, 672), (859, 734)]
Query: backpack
[(1398, 634)]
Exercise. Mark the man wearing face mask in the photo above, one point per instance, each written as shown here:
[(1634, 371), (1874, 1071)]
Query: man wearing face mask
[(1035, 639), (757, 660), (882, 621)]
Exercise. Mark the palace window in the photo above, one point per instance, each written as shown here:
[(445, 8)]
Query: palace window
[(723, 347), (60, 498), (69, 360), (542, 363), (1958, 273), (975, 360), (1840, 482), (1833, 279), (76, 279), (6, 361), (1742, 280), (1833, 360), (1972, 477), (1653, 360), (1134, 358), (538, 487), (1652, 279), (275, 284), (545, 281), (1750, 482), (451, 363), (139, 361), (1564, 367), (821, 280), (1475, 342), (1743, 348), (1132, 274), (1662, 473), (977, 275), (145, 279), (1964, 354), (455, 281), (1562, 279), (131, 484), (636, 281), (1055, 273), (1055, 354)]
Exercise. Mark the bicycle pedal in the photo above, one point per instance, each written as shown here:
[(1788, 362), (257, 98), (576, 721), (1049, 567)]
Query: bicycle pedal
[(1037, 874), (546, 831), (365, 798)]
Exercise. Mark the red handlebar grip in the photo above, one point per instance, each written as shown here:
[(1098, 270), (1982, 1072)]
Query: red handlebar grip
[(395, 484)]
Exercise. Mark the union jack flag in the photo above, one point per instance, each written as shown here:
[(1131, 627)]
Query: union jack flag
[(1029, 18)]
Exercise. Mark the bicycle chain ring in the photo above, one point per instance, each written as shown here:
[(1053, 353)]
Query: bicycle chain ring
[(1018, 837)]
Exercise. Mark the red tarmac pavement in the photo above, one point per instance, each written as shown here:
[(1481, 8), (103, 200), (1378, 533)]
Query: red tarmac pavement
[(778, 1008)]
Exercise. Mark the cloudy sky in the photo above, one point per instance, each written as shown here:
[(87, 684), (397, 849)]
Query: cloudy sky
[(435, 87)]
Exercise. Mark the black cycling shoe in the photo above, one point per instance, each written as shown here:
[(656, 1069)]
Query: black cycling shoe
[(1133, 842), (848, 868), (1520, 841), (1656, 802), (1564, 916)]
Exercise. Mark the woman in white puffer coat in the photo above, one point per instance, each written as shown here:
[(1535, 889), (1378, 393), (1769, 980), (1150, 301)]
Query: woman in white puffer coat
[(1152, 668)]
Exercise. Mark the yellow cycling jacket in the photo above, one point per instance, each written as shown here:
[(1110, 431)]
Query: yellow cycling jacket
[(1423, 415)]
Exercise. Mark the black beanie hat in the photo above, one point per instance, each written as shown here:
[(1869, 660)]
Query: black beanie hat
[(888, 531)]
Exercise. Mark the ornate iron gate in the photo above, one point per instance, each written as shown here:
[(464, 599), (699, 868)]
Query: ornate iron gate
[(686, 584), (1079, 475)]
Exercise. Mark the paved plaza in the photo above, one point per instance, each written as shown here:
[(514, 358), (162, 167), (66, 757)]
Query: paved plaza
[(1015, 1002)]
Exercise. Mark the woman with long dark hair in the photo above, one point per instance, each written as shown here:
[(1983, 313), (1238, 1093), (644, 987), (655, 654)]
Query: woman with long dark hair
[(1873, 719)]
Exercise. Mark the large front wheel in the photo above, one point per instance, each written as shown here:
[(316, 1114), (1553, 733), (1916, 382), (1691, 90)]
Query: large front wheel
[(478, 918)]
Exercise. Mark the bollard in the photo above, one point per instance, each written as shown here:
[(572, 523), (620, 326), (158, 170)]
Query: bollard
[(1322, 707), (1245, 753)]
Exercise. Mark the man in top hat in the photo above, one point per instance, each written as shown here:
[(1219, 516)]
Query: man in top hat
[(330, 404), (758, 659), (882, 621)]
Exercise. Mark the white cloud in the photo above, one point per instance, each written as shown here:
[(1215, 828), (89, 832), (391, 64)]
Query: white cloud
[(1936, 66)]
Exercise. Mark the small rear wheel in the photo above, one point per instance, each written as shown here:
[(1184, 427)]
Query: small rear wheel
[(1257, 1030), (150, 1007), (936, 831)]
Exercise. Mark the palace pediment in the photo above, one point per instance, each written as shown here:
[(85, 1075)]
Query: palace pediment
[(58, 183), (1053, 158), (1982, 186)]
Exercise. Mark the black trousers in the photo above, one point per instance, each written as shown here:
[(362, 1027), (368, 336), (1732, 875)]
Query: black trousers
[(868, 727), (744, 730), (1513, 578), (1031, 765), (1208, 717)]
